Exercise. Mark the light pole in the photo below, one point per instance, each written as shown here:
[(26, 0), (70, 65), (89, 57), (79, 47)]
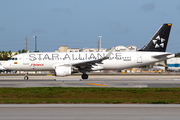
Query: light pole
[(35, 43), (26, 44), (100, 42)]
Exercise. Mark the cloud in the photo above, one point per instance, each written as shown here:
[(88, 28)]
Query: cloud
[(117, 28), (62, 10), (2, 29), (147, 7), (38, 30)]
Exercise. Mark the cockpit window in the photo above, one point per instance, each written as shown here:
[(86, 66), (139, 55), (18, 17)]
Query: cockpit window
[(13, 58)]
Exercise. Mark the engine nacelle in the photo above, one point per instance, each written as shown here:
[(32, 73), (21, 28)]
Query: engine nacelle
[(63, 71)]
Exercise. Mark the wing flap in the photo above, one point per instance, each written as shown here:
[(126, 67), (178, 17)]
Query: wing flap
[(161, 56)]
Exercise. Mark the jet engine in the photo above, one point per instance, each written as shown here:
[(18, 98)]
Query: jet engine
[(63, 71)]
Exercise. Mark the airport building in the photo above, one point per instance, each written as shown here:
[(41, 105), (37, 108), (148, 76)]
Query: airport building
[(66, 49), (117, 48), (123, 48), (173, 63)]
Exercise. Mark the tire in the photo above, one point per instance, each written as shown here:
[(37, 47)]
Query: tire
[(26, 78), (84, 76)]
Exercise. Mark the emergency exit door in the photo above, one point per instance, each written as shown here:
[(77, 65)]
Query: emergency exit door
[(25, 59), (139, 57)]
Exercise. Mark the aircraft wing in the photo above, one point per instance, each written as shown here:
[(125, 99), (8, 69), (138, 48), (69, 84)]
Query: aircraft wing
[(93, 62), (161, 56)]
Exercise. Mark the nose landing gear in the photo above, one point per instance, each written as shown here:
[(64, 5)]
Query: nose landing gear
[(26, 76)]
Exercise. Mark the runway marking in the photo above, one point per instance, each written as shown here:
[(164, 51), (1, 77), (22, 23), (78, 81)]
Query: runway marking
[(96, 84), (67, 80), (49, 74)]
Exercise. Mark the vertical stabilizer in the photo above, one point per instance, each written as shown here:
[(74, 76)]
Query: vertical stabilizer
[(158, 42)]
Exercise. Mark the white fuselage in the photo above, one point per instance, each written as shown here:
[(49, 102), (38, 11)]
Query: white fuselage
[(47, 61)]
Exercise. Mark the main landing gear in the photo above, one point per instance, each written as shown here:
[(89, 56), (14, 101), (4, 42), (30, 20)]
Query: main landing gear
[(26, 76), (84, 76)]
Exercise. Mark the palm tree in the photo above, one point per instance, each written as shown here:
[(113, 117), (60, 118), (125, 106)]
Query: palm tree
[(4, 55), (16, 53), (10, 53), (1, 56), (19, 51), (23, 51)]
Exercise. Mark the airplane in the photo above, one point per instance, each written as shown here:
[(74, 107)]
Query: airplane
[(67, 63)]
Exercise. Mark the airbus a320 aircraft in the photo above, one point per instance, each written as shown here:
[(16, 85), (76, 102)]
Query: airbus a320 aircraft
[(66, 63)]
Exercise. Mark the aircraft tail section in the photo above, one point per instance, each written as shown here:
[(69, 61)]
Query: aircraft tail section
[(158, 42)]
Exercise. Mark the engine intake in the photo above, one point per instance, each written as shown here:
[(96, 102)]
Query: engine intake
[(63, 71)]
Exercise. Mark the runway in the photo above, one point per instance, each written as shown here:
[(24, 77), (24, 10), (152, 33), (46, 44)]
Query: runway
[(136, 81), (89, 112)]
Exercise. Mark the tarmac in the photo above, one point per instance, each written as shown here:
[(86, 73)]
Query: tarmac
[(132, 81)]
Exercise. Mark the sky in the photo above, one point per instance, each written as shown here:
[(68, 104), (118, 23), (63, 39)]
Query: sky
[(79, 23)]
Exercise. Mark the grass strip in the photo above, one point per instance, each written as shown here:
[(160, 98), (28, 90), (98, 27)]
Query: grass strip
[(90, 95)]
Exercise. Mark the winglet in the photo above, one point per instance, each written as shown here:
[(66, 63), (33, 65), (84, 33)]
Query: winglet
[(109, 54)]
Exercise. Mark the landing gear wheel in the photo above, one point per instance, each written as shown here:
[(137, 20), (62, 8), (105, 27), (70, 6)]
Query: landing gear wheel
[(26, 78), (84, 76)]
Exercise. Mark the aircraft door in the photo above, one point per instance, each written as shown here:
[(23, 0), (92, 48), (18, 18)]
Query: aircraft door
[(25, 59), (139, 57)]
